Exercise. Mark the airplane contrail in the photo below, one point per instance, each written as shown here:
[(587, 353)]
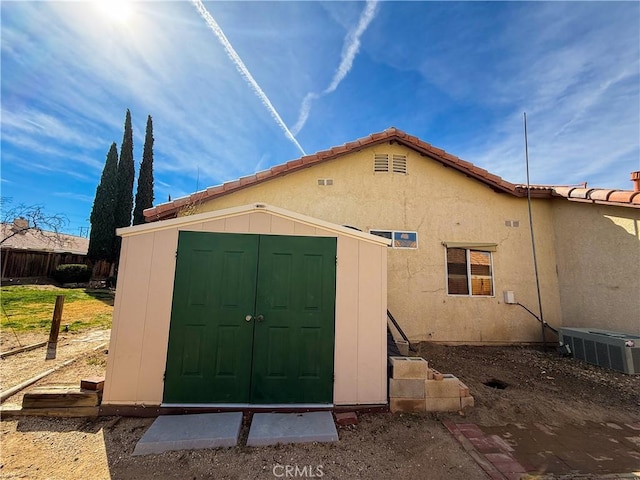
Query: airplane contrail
[(244, 71), (349, 51)]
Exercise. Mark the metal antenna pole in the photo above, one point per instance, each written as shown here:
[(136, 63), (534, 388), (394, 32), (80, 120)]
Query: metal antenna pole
[(533, 242)]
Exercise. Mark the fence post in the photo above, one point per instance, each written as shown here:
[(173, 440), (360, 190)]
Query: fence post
[(52, 345)]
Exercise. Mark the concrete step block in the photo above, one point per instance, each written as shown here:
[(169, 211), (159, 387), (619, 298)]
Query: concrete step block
[(403, 347), (406, 405), (464, 390), (409, 367), (451, 404), (283, 428), (406, 388), (190, 432), (445, 388), (467, 401)]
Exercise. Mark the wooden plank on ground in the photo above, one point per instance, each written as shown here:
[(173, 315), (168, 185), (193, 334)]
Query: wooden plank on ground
[(92, 383), (60, 396), (6, 412)]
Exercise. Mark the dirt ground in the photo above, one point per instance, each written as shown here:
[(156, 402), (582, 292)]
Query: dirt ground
[(540, 387)]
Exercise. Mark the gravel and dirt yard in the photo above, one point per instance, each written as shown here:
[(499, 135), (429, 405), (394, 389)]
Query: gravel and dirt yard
[(540, 387)]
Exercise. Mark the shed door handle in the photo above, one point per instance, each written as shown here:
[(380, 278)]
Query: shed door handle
[(248, 318), (260, 318)]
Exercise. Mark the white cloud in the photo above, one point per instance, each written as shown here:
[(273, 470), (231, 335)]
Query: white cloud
[(74, 196), (350, 49), (244, 71)]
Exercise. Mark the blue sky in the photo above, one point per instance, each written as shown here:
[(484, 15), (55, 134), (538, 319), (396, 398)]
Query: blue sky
[(237, 87)]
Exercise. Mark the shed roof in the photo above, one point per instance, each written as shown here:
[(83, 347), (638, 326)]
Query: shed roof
[(498, 184), (188, 220)]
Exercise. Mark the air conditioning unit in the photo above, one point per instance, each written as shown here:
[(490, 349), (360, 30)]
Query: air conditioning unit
[(614, 350)]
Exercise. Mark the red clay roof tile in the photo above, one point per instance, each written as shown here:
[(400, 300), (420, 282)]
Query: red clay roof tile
[(580, 192), (622, 196), (600, 194), (339, 149), (279, 168), (563, 191), (248, 179), (294, 163), (232, 185)]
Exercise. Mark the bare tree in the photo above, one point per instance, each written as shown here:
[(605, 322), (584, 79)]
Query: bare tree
[(34, 219)]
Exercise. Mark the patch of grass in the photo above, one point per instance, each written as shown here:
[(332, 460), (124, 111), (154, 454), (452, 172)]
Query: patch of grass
[(30, 308)]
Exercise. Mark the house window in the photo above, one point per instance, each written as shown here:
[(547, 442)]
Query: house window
[(469, 272), (399, 238), (381, 163)]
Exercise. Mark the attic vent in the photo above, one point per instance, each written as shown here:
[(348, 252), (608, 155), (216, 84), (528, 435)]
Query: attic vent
[(400, 164), (325, 181), (381, 162)]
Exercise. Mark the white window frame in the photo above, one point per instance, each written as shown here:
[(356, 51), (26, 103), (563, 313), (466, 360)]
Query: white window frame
[(393, 234), (468, 261)]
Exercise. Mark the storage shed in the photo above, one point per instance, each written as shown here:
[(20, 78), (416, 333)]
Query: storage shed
[(248, 306)]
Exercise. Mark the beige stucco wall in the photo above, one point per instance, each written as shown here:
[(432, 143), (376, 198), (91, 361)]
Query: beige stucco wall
[(598, 255), (442, 205), (142, 311)]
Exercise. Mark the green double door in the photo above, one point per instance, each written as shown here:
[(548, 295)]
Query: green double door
[(252, 319)]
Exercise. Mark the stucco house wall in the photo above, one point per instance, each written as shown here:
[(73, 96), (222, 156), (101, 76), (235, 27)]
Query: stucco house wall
[(441, 205), (598, 256), (142, 310)]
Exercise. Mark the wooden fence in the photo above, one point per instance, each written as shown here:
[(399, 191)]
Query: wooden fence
[(29, 263)]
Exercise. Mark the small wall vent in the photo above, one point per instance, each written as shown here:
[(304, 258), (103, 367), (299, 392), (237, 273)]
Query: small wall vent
[(400, 164), (381, 162)]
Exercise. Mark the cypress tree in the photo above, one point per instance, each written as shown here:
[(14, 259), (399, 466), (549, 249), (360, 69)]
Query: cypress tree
[(144, 194), (125, 177), (101, 239)]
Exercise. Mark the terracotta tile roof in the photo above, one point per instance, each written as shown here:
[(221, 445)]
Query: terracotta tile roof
[(624, 198), (498, 184)]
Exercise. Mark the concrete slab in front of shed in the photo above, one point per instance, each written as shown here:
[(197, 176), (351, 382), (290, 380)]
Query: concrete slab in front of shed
[(186, 432), (274, 428)]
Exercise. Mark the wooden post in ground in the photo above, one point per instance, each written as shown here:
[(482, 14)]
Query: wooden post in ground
[(52, 345)]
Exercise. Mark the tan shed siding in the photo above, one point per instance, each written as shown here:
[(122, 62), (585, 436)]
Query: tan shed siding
[(371, 330), (158, 317), (213, 225), (237, 224), (282, 226), (347, 322), (131, 316), (598, 251), (260, 222), (302, 229)]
